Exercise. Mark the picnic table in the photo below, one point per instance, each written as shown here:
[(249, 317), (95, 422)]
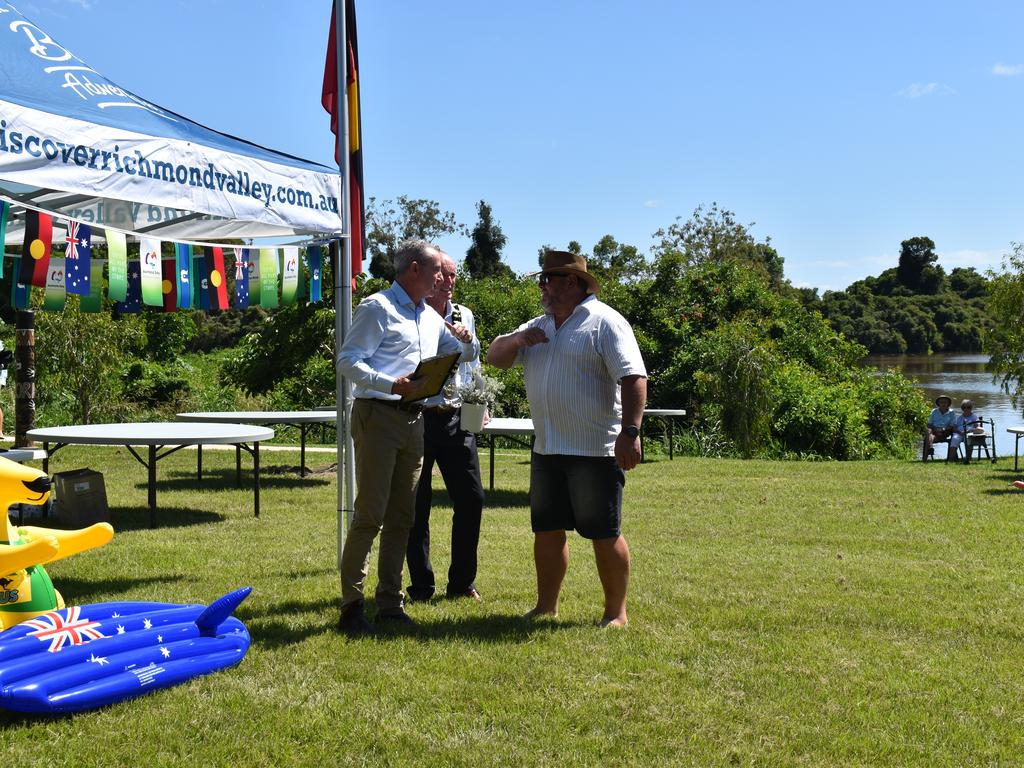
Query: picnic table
[(302, 420), (162, 439)]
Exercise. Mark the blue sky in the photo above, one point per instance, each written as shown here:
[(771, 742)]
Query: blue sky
[(838, 129)]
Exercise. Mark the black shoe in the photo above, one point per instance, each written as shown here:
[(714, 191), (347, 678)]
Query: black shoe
[(395, 617), (353, 621), (469, 592), (416, 596)]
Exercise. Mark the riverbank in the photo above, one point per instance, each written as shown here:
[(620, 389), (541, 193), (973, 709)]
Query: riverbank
[(782, 613)]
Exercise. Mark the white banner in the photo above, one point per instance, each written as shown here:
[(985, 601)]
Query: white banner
[(61, 153)]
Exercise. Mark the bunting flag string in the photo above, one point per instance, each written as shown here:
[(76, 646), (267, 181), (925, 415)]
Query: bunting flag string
[(268, 277), (169, 285), (35, 249), (241, 278), (254, 275), (217, 279), (183, 277), (117, 265), (289, 274), (313, 258), (54, 298), (132, 303), (152, 273), (77, 255)]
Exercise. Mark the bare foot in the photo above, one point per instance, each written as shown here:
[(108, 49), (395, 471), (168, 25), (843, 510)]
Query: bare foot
[(539, 613), (1019, 484), (617, 623)]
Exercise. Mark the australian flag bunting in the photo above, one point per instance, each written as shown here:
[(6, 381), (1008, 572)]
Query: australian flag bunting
[(77, 269), (132, 303), (242, 256)]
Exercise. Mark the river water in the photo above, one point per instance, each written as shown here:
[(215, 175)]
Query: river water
[(961, 377)]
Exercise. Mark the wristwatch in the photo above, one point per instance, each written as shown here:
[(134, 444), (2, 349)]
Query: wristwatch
[(631, 431)]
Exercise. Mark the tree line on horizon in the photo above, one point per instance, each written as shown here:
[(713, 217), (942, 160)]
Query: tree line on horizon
[(763, 368)]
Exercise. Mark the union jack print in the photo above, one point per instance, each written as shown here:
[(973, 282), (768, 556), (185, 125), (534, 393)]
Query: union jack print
[(59, 630)]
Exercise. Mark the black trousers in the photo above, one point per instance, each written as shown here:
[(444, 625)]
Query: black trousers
[(454, 452)]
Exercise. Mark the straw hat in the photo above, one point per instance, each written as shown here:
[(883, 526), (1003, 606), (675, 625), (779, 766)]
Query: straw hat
[(570, 263), (947, 398)]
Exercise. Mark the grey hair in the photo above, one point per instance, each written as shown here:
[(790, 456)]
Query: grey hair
[(408, 251)]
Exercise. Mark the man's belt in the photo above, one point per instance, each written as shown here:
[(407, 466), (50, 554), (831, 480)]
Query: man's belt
[(398, 405)]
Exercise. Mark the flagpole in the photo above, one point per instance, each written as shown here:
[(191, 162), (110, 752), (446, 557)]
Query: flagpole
[(343, 289)]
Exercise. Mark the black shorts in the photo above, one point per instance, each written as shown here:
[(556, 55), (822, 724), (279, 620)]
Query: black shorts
[(581, 493)]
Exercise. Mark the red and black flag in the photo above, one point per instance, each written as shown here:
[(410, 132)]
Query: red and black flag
[(169, 284), (35, 251), (217, 281), (330, 100)]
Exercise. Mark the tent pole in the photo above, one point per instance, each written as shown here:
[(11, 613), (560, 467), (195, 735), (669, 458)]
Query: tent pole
[(343, 292)]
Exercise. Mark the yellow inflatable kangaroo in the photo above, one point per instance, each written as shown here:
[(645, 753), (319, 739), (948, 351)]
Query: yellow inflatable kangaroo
[(25, 587)]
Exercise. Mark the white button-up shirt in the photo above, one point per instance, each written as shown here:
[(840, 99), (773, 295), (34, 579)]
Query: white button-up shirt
[(389, 336), (464, 375), (572, 382)]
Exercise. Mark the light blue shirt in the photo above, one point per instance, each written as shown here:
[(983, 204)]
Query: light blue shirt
[(940, 420), (389, 336), (464, 375)]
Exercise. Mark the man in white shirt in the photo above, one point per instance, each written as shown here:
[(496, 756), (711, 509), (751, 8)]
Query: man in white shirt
[(587, 387), (392, 331), (454, 451)]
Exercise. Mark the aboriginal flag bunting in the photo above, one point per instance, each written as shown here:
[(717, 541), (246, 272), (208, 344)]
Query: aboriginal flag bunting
[(216, 277), (35, 251)]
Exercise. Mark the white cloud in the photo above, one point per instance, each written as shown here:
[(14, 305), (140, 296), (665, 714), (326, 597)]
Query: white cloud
[(917, 90), (1007, 70), (652, 203)]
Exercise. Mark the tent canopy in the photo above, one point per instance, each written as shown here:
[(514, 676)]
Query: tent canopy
[(75, 144)]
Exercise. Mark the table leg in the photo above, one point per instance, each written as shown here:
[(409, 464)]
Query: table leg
[(256, 475), (46, 459), (152, 486), (302, 450), (1016, 444), (199, 464), (238, 466), (492, 462), (671, 441)]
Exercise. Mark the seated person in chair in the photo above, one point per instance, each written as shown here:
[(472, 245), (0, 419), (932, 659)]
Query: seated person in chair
[(966, 422), (941, 423)]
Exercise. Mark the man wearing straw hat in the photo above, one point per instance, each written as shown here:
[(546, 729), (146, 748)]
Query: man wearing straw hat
[(587, 386)]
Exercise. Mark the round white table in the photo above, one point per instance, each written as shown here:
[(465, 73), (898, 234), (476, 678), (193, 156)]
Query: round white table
[(300, 419), (157, 436)]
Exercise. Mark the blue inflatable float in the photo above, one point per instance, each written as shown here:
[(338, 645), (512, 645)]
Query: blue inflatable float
[(92, 655)]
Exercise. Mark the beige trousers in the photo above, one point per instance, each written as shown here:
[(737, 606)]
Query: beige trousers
[(389, 457)]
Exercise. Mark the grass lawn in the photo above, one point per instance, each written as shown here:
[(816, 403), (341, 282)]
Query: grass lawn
[(781, 614)]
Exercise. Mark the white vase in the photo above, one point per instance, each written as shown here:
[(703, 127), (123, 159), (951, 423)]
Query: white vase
[(473, 416)]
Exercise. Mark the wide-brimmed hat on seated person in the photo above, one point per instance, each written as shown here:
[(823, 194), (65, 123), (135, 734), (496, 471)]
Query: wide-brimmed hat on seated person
[(947, 398), (567, 262)]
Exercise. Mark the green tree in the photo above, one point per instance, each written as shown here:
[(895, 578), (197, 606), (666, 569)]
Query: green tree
[(1003, 340), (389, 222), (483, 259), (79, 358), (917, 268)]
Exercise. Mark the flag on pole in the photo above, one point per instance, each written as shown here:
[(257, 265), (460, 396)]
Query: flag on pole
[(35, 250), (216, 277), (5, 209), (117, 265), (152, 272), (314, 258), (169, 285), (132, 303), (54, 298), (268, 277), (94, 301), (241, 278), (329, 98), (289, 274), (183, 257), (78, 266)]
